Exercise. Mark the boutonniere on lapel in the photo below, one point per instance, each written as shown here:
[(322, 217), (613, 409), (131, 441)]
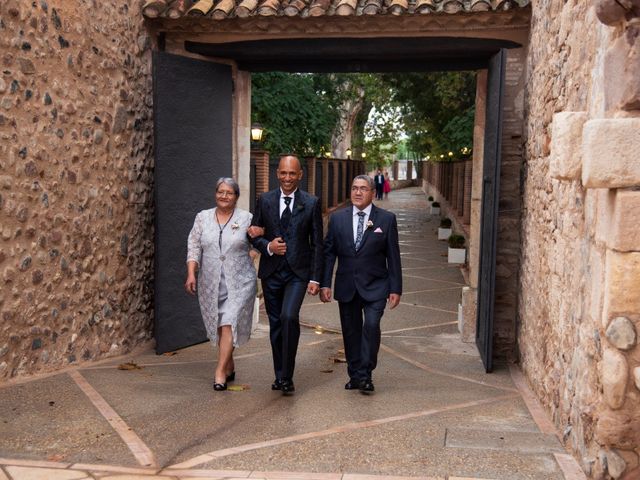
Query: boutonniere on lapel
[(299, 207), (234, 227), (369, 224)]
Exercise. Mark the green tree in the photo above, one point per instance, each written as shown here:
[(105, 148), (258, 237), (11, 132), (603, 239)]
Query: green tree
[(437, 110), (297, 117)]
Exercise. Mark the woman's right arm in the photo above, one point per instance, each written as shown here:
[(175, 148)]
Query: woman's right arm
[(190, 283), (194, 253)]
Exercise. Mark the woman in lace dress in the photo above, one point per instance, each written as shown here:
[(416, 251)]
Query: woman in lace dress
[(218, 252)]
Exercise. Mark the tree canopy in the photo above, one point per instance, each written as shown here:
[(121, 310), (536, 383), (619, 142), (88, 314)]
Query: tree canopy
[(296, 116), (312, 114)]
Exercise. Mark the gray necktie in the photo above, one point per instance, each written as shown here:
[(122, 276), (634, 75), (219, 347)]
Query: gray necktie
[(360, 229)]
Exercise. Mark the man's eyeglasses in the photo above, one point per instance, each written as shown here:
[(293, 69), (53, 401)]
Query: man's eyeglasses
[(360, 189)]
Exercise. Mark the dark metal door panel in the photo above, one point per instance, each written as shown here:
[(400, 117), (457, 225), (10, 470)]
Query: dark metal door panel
[(489, 210), (193, 147)]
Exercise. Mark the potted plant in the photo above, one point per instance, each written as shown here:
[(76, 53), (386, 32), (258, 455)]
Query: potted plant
[(435, 208), (457, 252), (445, 228), (430, 199)]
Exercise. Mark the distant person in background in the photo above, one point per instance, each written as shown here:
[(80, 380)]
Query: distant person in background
[(386, 188), (379, 183), (218, 252)]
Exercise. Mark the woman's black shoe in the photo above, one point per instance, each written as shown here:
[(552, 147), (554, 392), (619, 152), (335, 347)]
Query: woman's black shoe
[(219, 387), (231, 377)]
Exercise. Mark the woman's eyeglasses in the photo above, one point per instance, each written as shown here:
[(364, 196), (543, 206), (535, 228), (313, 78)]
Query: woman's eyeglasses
[(225, 194)]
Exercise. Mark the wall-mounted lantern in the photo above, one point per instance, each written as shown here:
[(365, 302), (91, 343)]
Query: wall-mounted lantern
[(256, 132)]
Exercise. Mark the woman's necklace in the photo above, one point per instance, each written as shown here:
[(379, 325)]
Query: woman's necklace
[(222, 227)]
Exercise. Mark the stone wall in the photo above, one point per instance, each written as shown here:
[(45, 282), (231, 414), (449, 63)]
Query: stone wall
[(76, 253), (579, 303)]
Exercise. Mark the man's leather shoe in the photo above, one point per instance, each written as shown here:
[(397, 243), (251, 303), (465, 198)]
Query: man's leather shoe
[(287, 387), (276, 385), (366, 386), (352, 384)]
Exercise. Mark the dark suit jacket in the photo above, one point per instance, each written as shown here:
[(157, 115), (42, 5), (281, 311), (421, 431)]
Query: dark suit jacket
[(379, 179), (374, 271), (303, 237)]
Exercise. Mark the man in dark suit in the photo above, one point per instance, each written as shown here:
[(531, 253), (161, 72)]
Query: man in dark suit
[(290, 264), (364, 240), (379, 181)]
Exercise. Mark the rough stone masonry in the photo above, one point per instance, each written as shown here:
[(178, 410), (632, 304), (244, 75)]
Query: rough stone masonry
[(579, 303), (76, 246)]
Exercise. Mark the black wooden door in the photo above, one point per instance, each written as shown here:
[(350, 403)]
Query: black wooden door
[(193, 147), (489, 210)]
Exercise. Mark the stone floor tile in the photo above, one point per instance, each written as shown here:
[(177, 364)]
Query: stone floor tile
[(35, 473), (214, 478), (202, 473), (358, 476), (32, 463), (296, 475), (137, 477), (468, 478), (113, 468), (570, 467)]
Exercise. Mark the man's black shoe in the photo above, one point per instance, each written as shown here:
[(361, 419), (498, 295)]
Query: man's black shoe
[(366, 386), (276, 385), (352, 384), (287, 387)]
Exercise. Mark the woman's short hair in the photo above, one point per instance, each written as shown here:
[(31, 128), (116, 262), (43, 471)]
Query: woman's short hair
[(230, 182), (367, 179)]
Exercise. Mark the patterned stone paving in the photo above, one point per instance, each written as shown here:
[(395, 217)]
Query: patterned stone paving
[(435, 414)]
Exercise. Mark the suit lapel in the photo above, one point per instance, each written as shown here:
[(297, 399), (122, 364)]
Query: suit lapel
[(298, 204), (372, 219), (348, 218), (274, 206)]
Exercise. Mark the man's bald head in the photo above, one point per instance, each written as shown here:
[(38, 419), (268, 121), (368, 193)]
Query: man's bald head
[(289, 161)]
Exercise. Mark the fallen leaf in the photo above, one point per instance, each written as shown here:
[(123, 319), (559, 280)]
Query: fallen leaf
[(238, 388), (55, 458), (129, 366), (328, 370), (339, 359), (169, 354)]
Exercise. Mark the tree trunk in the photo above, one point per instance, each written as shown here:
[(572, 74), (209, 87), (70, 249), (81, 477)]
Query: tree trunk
[(343, 133)]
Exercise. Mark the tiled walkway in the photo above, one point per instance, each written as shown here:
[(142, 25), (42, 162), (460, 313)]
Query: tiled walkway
[(435, 413)]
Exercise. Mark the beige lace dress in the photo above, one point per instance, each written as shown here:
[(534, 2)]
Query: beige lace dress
[(226, 276)]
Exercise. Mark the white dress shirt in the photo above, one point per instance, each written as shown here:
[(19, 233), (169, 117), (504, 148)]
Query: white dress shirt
[(356, 218), (284, 205)]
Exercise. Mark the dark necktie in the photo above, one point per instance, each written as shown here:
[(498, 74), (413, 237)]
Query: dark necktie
[(286, 214), (360, 230)]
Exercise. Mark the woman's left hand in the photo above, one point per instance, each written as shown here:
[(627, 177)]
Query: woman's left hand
[(254, 231)]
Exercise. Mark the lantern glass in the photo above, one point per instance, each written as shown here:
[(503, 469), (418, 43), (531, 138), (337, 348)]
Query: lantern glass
[(256, 132)]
